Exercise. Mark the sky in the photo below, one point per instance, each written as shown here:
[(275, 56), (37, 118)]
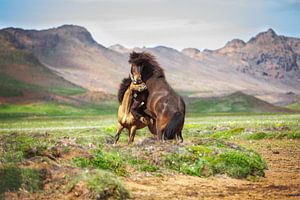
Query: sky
[(203, 24)]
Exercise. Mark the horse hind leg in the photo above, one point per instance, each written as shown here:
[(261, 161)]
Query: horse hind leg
[(132, 133), (179, 137), (120, 127)]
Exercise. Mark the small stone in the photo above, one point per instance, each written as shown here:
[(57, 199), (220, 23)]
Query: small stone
[(275, 152)]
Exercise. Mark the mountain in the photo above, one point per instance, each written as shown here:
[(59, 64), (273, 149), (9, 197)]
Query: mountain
[(235, 102), (71, 52), (120, 49), (268, 58), (22, 75), (267, 66)]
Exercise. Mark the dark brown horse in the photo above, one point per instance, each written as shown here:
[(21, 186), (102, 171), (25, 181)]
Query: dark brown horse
[(163, 103)]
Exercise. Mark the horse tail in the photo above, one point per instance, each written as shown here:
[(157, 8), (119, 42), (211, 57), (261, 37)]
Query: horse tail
[(173, 126)]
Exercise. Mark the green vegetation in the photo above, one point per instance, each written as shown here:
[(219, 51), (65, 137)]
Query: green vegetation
[(228, 133), (102, 184), (27, 64), (11, 87), (274, 135), (13, 178), (55, 109), (17, 147), (104, 160), (80, 149), (236, 102), (149, 168), (216, 157), (295, 106)]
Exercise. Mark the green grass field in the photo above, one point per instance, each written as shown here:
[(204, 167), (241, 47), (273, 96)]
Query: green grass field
[(79, 144), (295, 106)]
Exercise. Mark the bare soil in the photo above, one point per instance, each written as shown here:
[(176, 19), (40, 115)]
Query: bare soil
[(282, 180)]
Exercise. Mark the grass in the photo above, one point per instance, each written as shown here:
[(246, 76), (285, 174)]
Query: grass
[(236, 102), (111, 161), (216, 157), (27, 63), (295, 106), (102, 184), (11, 87), (210, 149), (13, 178), (55, 109), (17, 147)]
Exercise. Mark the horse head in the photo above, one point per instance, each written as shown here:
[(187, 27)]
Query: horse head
[(143, 67)]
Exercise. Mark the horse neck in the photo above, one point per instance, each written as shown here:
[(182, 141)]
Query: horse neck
[(152, 83), (126, 102)]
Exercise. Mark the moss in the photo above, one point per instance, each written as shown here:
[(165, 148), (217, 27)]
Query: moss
[(12, 178), (274, 135), (102, 184), (294, 135), (239, 164), (109, 160), (257, 136), (228, 133), (206, 160), (149, 168), (18, 146), (104, 160)]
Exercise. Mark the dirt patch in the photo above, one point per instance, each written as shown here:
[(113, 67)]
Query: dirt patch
[(282, 180)]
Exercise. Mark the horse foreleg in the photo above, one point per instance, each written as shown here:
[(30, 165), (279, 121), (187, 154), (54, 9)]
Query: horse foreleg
[(151, 127), (132, 133), (158, 132), (119, 130)]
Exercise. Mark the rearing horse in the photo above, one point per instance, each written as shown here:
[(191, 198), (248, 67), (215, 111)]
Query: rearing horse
[(163, 103)]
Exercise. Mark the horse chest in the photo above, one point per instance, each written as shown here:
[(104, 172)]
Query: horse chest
[(125, 118)]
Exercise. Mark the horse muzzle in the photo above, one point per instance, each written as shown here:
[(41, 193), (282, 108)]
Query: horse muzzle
[(135, 80)]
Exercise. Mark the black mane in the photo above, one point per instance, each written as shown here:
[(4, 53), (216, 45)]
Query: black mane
[(151, 66), (123, 87)]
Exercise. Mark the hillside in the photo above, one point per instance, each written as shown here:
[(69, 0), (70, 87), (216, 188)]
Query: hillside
[(236, 102), (21, 74), (267, 66), (294, 106), (71, 52)]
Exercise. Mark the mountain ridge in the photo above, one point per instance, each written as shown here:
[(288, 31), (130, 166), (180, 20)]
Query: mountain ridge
[(267, 65)]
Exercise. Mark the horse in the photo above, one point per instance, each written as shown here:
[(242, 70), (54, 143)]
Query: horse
[(127, 117), (165, 106)]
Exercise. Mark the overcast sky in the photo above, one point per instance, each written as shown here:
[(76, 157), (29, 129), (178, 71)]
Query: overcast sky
[(174, 23)]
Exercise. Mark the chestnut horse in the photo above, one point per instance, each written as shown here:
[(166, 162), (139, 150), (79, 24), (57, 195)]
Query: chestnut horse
[(163, 104), (126, 115)]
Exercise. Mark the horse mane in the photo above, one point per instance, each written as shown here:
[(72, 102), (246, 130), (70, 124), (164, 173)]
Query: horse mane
[(123, 87), (151, 66)]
